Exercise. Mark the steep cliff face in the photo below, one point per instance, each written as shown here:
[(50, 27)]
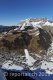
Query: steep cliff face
[(34, 40), (45, 39)]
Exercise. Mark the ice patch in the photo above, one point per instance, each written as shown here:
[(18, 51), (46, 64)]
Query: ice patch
[(47, 66), (9, 65), (29, 60)]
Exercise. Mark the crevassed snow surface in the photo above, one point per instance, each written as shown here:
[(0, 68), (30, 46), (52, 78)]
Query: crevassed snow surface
[(29, 60), (9, 65)]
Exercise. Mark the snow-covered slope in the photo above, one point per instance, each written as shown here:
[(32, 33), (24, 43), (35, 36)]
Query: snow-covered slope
[(48, 23), (47, 66), (28, 23), (10, 66), (40, 44), (32, 63), (35, 23), (29, 60)]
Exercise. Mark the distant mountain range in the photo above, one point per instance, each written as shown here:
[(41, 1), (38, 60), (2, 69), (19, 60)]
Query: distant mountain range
[(6, 28), (30, 23)]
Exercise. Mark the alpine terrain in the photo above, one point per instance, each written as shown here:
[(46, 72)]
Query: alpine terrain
[(28, 45)]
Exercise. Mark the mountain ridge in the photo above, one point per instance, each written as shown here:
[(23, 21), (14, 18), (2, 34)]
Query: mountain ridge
[(24, 32)]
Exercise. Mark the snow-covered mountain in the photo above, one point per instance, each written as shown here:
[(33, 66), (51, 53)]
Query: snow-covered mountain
[(34, 23), (28, 46)]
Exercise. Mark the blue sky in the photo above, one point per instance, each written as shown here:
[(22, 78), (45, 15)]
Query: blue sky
[(12, 11)]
